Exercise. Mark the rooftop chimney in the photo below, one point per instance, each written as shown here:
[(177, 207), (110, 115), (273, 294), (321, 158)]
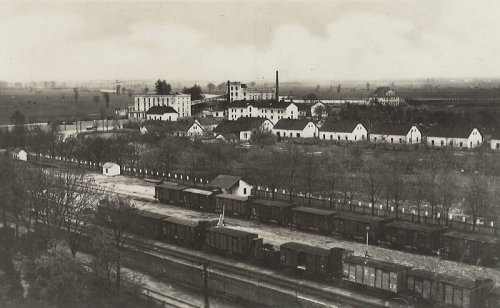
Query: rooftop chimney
[(277, 88)]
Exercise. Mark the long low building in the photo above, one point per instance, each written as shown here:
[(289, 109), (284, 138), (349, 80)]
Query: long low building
[(456, 137), (296, 128)]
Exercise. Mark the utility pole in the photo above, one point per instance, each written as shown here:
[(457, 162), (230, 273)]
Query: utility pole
[(205, 284)]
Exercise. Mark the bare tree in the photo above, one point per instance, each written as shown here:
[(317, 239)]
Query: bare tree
[(399, 186), (447, 188), (420, 190), (372, 182), (307, 171), (76, 94), (478, 198), (318, 111), (332, 170)]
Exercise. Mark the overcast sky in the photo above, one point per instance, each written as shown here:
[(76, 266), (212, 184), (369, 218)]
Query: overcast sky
[(237, 40)]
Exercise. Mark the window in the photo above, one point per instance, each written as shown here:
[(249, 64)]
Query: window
[(324, 136), (392, 140), (338, 137), (461, 144), (346, 138), (245, 191), (400, 140), (442, 142), (498, 145), (298, 135), (355, 137)]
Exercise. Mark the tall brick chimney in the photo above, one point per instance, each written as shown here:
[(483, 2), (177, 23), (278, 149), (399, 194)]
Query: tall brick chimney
[(277, 88)]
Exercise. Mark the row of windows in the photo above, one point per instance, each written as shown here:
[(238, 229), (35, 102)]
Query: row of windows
[(345, 137), (157, 99)]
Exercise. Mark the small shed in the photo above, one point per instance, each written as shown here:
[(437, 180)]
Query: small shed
[(19, 154), (230, 184), (110, 169)]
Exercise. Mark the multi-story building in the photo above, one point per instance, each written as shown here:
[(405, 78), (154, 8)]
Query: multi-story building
[(240, 91), (385, 96), (270, 109), (142, 103)]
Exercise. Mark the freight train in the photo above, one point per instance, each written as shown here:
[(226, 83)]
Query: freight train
[(336, 265), (457, 245)]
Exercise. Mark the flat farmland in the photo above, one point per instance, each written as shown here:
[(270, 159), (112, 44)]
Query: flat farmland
[(57, 104)]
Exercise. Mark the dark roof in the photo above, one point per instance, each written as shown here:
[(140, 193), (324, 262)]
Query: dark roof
[(259, 104), (496, 134), (457, 281), (231, 232), (456, 131), (305, 106), (209, 121), (17, 150), (161, 110), (380, 91), (224, 181), (233, 197), (228, 136), (361, 217), (172, 186), (375, 263), (181, 221), (406, 225), (306, 248), (241, 124), (171, 126), (387, 128), (314, 211), (149, 214), (343, 126), (275, 203), (292, 124), (478, 237)]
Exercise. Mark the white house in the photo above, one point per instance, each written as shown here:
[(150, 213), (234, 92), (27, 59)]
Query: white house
[(243, 128), (233, 185), (270, 109), (495, 141), (385, 96), (296, 128), (19, 154), (310, 110), (110, 169), (456, 137), (343, 131), (162, 113), (180, 128), (395, 133)]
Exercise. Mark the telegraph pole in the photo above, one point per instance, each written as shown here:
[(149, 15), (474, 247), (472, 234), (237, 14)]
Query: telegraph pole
[(205, 284)]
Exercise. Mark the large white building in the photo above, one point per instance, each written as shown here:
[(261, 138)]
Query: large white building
[(385, 96), (270, 109), (142, 103), (240, 91)]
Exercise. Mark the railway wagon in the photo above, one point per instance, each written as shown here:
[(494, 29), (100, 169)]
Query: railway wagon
[(430, 287), (226, 241), (147, 224), (352, 225), (375, 274), (199, 199), (266, 254), (313, 219), (170, 193), (272, 210), (313, 261), (184, 232), (421, 237), (472, 248), (233, 205)]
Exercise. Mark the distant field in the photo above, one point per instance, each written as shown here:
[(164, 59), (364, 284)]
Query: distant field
[(56, 105)]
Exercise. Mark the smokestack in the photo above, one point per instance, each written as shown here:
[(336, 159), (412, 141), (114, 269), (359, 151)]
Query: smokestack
[(277, 88), (228, 93)]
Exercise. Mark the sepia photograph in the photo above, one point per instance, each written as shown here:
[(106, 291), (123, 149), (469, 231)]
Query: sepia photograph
[(253, 153)]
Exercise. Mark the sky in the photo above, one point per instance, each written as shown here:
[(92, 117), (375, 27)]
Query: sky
[(249, 40)]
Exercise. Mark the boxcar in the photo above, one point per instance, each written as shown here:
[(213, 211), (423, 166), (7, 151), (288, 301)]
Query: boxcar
[(376, 274), (170, 193), (233, 205), (272, 210), (313, 261), (266, 254), (313, 219), (470, 247), (420, 237), (232, 242), (147, 224), (199, 199), (352, 225), (447, 290), (184, 232)]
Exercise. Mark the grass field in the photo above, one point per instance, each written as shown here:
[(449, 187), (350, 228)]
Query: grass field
[(57, 104)]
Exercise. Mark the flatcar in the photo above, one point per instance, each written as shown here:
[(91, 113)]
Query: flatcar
[(313, 219), (233, 205), (471, 247), (421, 237), (376, 274), (200, 200), (313, 261), (184, 232), (227, 241), (272, 211), (355, 226), (431, 287), (170, 193)]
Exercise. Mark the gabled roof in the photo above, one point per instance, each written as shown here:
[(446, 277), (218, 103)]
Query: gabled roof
[(496, 134), (380, 91), (171, 126), (209, 121), (227, 136), (292, 124), (342, 126), (17, 150), (241, 124), (456, 131), (109, 165), (386, 128), (305, 107), (160, 110), (259, 104), (224, 181)]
